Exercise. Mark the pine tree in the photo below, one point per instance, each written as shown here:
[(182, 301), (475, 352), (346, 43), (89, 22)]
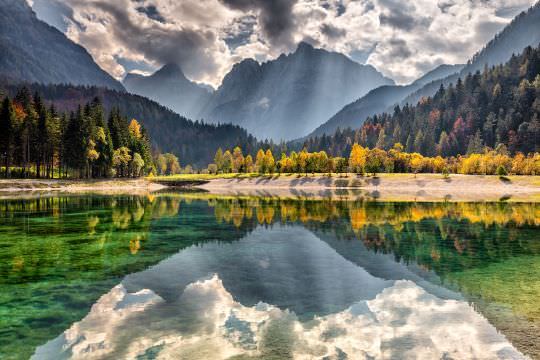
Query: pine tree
[(75, 142), (476, 145), (381, 141), (42, 136), (7, 120), (409, 145)]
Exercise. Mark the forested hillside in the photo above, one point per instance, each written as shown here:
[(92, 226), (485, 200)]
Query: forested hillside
[(38, 141), (193, 142), (523, 31), (498, 107), (32, 51), (379, 100)]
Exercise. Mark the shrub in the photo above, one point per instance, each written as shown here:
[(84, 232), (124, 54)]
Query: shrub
[(501, 171)]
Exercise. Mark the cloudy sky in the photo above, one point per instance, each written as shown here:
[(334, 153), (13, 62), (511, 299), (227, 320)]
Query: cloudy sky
[(402, 39)]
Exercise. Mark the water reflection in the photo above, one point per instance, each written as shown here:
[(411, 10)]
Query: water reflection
[(277, 293), (307, 264), (58, 255)]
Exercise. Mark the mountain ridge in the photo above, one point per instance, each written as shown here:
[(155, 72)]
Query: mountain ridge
[(290, 95), (171, 88), (34, 51), (377, 100)]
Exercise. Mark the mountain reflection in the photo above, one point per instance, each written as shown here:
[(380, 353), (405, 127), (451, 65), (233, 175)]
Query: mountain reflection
[(281, 292)]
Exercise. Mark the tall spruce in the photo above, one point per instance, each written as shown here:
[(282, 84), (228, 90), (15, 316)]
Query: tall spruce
[(7, 122)]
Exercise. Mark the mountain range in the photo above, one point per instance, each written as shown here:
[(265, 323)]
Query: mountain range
[(33, 51), (287, 97), (281, 99)]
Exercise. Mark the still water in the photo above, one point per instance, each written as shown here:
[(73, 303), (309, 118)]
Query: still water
[(196, 276)]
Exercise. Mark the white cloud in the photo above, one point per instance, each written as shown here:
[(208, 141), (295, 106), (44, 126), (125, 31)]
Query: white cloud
[(206, 37)]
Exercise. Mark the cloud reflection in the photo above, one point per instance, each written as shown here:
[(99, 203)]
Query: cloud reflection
[(207, 323)]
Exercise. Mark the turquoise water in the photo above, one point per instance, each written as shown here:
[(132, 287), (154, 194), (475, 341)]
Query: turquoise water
[(195, 276)]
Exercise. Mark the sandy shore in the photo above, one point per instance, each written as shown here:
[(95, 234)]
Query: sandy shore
[(392, 187), (112, 186), (423, 187)]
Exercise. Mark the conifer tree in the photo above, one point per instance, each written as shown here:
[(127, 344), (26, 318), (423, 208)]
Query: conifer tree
[(7, 121)]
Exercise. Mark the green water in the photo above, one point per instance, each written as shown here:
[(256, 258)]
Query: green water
[(198, 276)]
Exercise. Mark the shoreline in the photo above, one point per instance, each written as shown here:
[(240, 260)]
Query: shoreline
[(398, 187), (10, 186), (390, 187)]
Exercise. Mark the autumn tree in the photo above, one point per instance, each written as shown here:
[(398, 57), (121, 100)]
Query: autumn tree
[(260, 162), (357, 159), (172, 164), (238, 160)]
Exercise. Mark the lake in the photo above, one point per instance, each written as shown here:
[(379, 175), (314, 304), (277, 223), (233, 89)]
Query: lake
[(197, 276)]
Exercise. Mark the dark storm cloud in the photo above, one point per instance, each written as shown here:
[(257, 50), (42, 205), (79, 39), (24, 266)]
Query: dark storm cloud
[(333, 32), (400, 20), (399, 49), (152, 12), (275, 17), (340, 9), (185, 46), (398, 14), (445, 5)]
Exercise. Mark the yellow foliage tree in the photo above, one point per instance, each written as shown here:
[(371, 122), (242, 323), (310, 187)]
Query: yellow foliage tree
[(135, 129), (259, 162), (269, 160), (357, 159)]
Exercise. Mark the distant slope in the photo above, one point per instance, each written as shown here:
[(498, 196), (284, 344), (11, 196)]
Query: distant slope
[(499, 106), (31, 50), (290, 96), (194, 142), (523, 31), (379, 100), (440, 72), (169, 87)]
